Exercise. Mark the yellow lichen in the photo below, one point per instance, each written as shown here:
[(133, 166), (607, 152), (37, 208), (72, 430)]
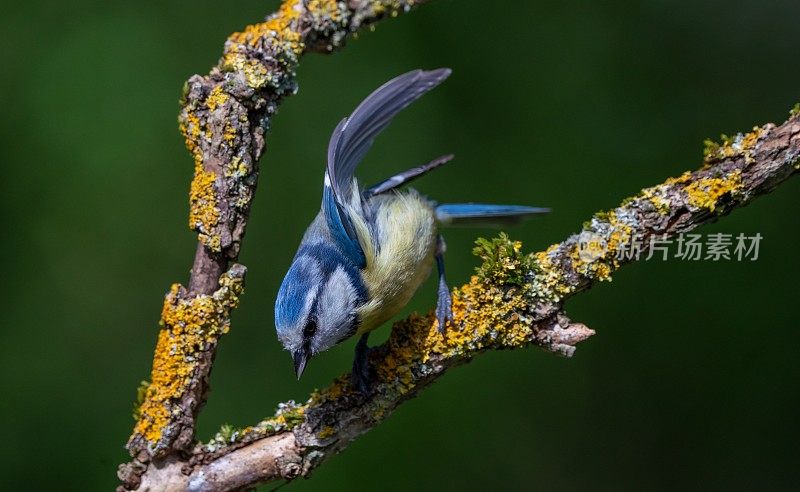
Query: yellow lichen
[(203, 211), (656, 196), (596, 253), (237, 168), (683, 178), (279, 26), (391, 7), (256, 74), (281, 32), (592, 266), (484, 316), (738, 145), (619, 237), (326, 432), (748, 143), (549, 282), (188, 327), (216, 98), (706, 192), (191, 129), (487, 312), (325, 9), (229, 134)]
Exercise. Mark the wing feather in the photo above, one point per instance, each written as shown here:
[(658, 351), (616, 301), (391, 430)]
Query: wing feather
[(355, 134), (350, 141)]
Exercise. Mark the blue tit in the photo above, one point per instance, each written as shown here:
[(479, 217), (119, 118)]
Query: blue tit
[(368, 250)]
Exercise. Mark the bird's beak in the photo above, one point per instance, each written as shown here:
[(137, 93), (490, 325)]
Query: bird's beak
[(300, 359)]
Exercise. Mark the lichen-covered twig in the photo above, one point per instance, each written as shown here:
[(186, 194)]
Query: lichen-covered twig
[(514, 300), (224, 117)]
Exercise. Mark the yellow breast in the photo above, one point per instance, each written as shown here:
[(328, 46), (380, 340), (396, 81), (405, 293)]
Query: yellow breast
[(399, 249)]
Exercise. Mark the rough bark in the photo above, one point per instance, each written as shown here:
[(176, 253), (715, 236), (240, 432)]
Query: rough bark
[(224, 116), (514, 300)]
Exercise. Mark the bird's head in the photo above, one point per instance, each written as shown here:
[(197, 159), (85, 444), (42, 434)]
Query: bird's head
[(317, 303)]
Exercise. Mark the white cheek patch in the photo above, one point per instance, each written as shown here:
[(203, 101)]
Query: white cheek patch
[(313, 270), (335, 307), (309, 301)]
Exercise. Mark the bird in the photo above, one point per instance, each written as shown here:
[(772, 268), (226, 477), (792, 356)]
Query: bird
[(369, 249)]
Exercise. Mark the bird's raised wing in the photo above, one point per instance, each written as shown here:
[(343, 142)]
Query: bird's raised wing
[(351, 140)]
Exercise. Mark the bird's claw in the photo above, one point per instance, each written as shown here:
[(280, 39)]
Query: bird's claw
[(361, 376), (444, 307)]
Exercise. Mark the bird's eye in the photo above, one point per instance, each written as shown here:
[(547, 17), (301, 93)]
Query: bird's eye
[(310, 329)]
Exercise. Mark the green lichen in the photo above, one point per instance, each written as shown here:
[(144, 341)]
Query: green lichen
[(503, 260), (184, 94), (237, 168), (141, 393), (741, 144), (291, 415), (795, 110), (711, 147), (288, 416), (226, 433), (536, 275), (603, 215)]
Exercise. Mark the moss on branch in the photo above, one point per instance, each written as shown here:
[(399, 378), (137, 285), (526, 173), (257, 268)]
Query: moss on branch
[(515, 299), (224, 118), (225, 115), (189, 325)]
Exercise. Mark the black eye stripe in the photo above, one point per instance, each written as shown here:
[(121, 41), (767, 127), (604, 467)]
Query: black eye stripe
[(310, 329)]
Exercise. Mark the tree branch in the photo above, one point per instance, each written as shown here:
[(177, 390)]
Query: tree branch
[(514, 300), (224, 117)]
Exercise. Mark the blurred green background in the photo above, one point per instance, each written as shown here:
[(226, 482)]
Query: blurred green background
[(691, 381)]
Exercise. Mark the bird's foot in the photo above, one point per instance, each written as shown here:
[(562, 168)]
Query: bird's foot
[(361, 376), (444, 307)]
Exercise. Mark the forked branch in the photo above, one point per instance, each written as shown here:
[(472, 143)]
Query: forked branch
[(514, 300)]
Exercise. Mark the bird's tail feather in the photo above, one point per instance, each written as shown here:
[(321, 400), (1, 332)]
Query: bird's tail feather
[(484, 215)]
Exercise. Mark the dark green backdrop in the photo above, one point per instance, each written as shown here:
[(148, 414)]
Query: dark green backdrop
[(692, 378)]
